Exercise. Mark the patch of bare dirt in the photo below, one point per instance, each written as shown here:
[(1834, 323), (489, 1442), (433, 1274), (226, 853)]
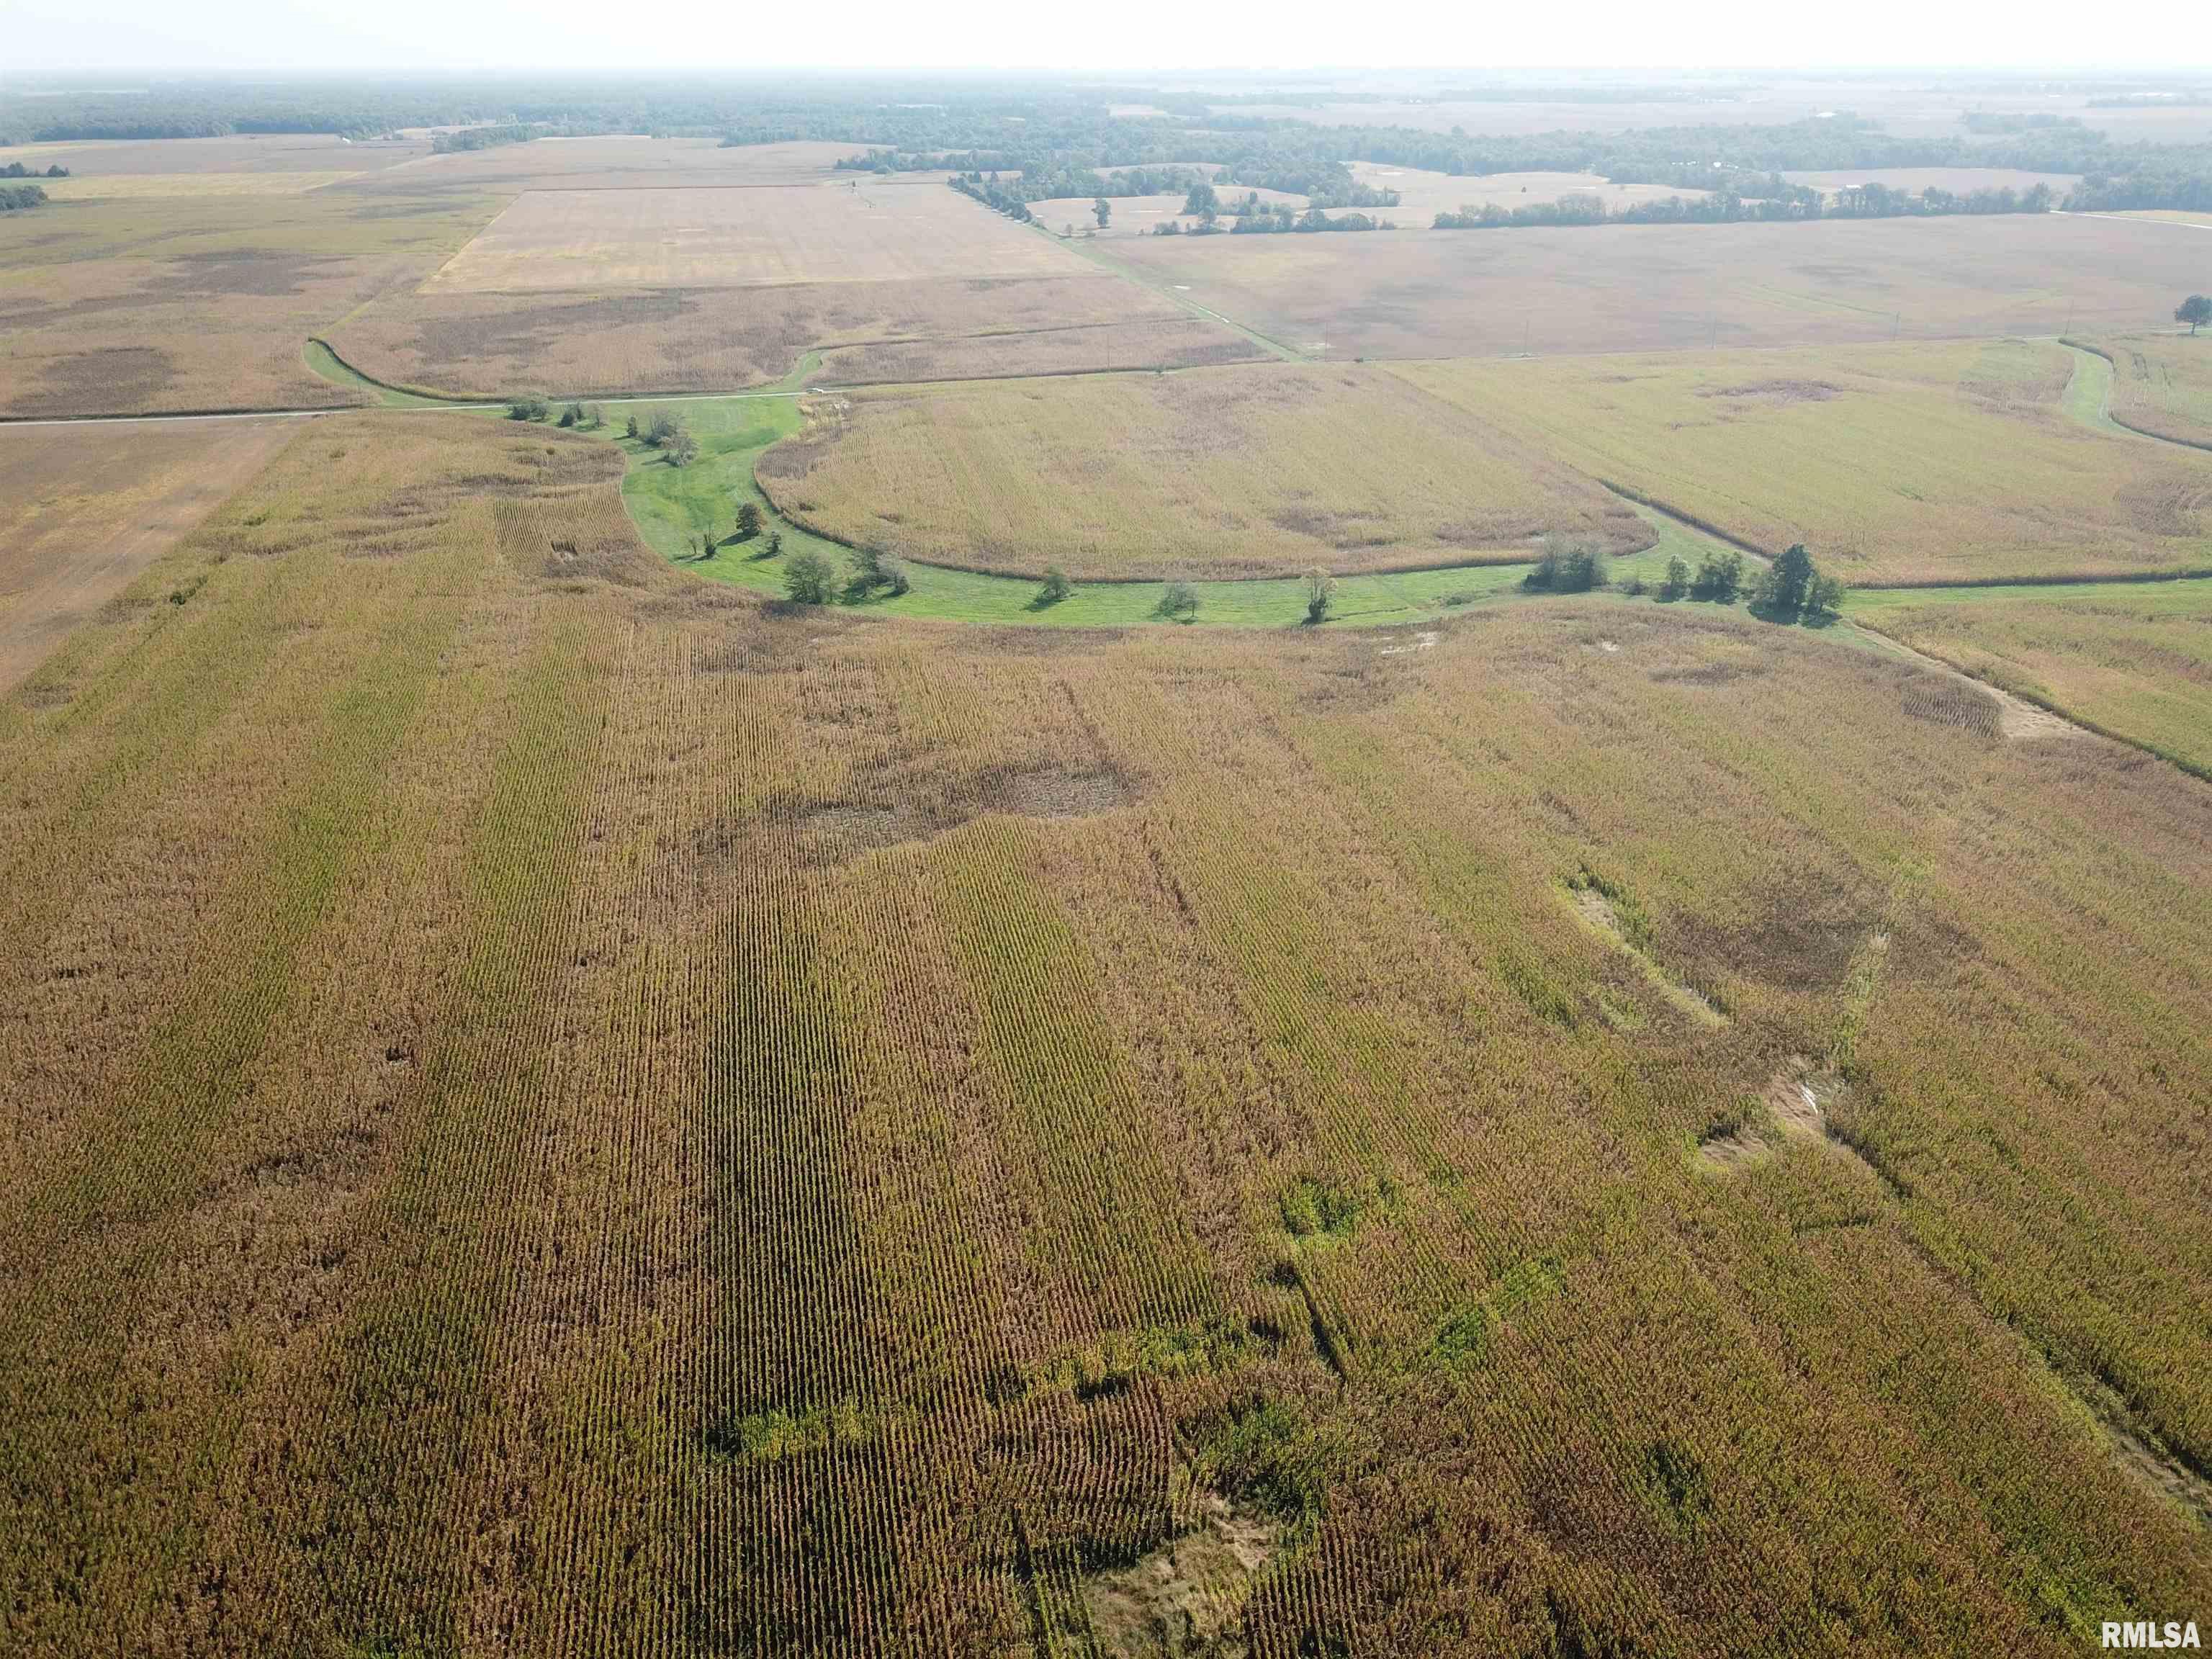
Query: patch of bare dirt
[(841, 831), (1056, 794), (1778, 392), (1794, 1107), (1423, 640), (1185, 1598)]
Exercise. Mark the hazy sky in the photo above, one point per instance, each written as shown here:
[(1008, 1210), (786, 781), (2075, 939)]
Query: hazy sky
[(43, 36)]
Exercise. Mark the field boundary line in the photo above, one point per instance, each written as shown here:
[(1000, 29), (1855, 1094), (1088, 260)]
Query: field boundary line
[(2202, 773), (1689, 521), (2105, 413), (1078, 246)]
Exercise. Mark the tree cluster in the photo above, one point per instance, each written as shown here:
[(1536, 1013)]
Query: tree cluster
[(1793, 588), (809, 579), (1789, 202), (1566, 567), (17, 170), (13, 198)]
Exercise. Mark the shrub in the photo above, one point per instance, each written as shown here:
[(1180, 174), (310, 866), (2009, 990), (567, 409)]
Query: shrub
[(1321, 593), (806, 578)]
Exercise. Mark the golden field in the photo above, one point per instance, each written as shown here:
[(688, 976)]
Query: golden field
[(90, 507), (1913, 463), (559, 1110), (765, 236), (1209, 472), (1422, 292)]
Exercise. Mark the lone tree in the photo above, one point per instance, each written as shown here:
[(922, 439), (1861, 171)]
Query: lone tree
[(1678, 578), (1321, 593), (1101, 210), (2193, 310), (1179, 602), (680, 447), (775, 544), (1056, 586), (1782, 589), (806, 578), (749, 521)]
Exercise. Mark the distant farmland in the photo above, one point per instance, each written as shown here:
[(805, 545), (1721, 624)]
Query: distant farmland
[(201, 300), (1220, 472), (1909, 463), (766, 236), (1681, 287), (723, 338)]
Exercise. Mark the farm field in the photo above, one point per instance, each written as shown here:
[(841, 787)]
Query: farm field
[(88, 510), (2161, 384), (164, 302), (130, 187), (582, 1087), (675, 506), (550, 1091), (2131, 659), (724, 339), (1141, 216), (1906, 463), (1689, 288), (1422, 195), (623, 163), (1235, 471), (252, 152), (765, 236)]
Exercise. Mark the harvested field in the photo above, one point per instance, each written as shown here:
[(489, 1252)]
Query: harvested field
[(1658, 288), (625, 163), (771, 236), (2162, 384), (201, 301), (133, 186), (1141, 216), (1217, 472), (634, 1124), (245, 152), (88, 510), (1422, 196), (722, 339), (1892, 464), (2134, 660)]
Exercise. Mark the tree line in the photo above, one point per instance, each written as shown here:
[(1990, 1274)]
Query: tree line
[(17, 170), (15, 198), (1725, 206)]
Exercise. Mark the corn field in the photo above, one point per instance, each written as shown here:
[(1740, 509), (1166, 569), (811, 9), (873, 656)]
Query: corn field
[(553, 1111)]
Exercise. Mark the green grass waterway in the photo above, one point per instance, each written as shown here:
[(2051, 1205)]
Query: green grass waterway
[(673, 506)]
